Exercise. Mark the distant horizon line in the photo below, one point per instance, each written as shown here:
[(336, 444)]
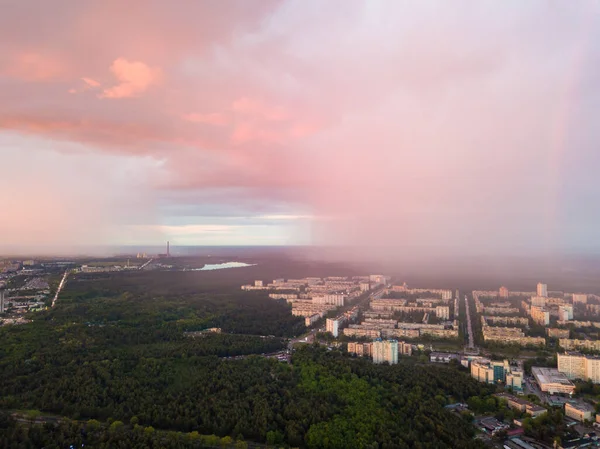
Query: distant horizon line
[(369, 252)]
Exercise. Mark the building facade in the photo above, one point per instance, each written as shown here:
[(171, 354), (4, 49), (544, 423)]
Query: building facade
[(550, 380), (579, 411), (385, 351), (540, 316), (442, 312), (542, 289), (579, 366), (565, 313), (557, 333), (572, 365)]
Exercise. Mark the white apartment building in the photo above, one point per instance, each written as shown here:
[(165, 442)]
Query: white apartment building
[(333, 326), (572, 365), (579, 366), (258, 283), (580, 298), (542, 289), (333, 299), (442, 312), (592, 369), (385, 351)]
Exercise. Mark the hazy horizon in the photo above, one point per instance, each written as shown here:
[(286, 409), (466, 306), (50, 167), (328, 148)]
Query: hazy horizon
[(394, 129)]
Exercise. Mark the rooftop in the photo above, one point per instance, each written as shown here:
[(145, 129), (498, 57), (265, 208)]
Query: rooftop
[(550, 375), (581, 406)]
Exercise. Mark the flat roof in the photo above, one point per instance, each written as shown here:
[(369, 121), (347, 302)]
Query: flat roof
[(535, 407), (582, 406), (550, 376)]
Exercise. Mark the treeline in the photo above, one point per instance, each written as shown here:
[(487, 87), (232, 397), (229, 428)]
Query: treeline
[(67, 433)]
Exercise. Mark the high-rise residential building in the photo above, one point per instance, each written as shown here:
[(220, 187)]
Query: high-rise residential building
[(385, 351), (258, 283), (333, 325), (578, 366), (580, 298), (542, 289), (565, 313), (503, 292), (592, 369), (2, 303), (572, 365)]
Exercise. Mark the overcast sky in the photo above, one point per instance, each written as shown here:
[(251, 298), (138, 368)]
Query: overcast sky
[(424, 124)]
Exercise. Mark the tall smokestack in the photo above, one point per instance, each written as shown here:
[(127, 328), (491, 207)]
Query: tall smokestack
[(168, 250)]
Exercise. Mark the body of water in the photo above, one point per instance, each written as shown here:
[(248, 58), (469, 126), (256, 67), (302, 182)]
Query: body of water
[(222, 266)]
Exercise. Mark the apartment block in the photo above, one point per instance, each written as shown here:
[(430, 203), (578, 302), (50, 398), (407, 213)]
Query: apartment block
[(572, 365), (540, 315), (569, 344), (579, 366), (361, 349), (565, 313), (554, 332), (385, 351), (580, 298), (360, 332), (542, 289), (442, 312)]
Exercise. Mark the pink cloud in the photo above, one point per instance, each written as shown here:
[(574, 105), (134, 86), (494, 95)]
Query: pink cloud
[(259, 109), (214, 118), (424, 107), (134, 79), (90, 82), (35, 67)]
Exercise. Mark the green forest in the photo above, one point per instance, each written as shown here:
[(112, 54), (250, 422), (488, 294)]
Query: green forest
[(111, 353)]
